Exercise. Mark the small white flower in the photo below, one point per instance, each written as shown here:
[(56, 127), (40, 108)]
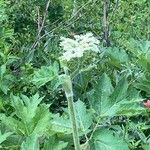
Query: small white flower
[(76, 47)]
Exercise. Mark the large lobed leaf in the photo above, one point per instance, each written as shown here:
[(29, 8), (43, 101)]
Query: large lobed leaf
[(104, 139), (31, 143), (33, 119), (63, 124), (45, 74), (143, 83), (107, 101), (99, 98), (25, 108), (84, 117), (117, 56), (4, 136), (54, 144), (141, 50)]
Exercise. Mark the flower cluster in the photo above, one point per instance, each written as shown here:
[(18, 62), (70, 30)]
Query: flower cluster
[(76, 47)]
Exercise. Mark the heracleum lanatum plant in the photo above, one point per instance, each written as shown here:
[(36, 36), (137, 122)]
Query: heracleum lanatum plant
[(75, 48)]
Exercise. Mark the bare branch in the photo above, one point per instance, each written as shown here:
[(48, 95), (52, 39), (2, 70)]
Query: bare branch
[(106, 23)]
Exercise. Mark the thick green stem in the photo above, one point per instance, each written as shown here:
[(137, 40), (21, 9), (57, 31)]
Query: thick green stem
[(74, 123), (67, 84)]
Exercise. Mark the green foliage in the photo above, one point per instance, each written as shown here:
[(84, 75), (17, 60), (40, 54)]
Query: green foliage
[(45, 74), (146, 147), (130, 20), (32, 119), (105, 140), (54, 144), (143, 83), (84, 117), (31, 143), (63, 125), (4, 136), (3, 15), (117, 57), (4, 80), (141, 50), (109, 101), (109, 88)]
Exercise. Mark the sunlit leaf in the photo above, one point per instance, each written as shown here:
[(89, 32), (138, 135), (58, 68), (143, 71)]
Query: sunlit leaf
[(4, 136), (31, 143), (54, 144), (104, 139), (45, 74)]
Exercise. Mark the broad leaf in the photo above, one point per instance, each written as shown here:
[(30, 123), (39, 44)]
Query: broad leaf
[(63, 124), (141, 50), (120, 91), (25, 108), (31, 143), (100, 98), (132, 103), (143, 83), (10, 122), (45, 74), (104, 139), (4, 136), (146, 146), (54, 144), (41, 120), (117, 56), (120, 101), (84, 117), (33, 119)]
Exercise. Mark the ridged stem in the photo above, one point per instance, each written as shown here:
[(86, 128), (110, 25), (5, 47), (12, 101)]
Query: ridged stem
[(67, 85)]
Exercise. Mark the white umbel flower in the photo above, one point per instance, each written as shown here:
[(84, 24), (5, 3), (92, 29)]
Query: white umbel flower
[(76, 47)]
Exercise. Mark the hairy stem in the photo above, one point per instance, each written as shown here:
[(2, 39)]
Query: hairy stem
[(67, 84), (74, 124)]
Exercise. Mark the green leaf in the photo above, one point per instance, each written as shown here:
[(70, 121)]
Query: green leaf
[(32, 119), (84, 118), (3, 14), (143, 83), (131, 106), (61, 125), (4, 136), (4, 86), (120, 101), (120, 91), (117, 56), (25, 108), (100, 98), (45, 74), (5, 83), (146, 146), (1, 104), (54, 144), (2, 70), (104, 139), (41, 120), (141, 50), (31, 143), (10, 122)]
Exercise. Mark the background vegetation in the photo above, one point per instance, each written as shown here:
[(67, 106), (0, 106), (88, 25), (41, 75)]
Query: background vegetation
[(109, 88)]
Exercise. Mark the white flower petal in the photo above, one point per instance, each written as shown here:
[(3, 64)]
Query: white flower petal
[(76, 47)]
